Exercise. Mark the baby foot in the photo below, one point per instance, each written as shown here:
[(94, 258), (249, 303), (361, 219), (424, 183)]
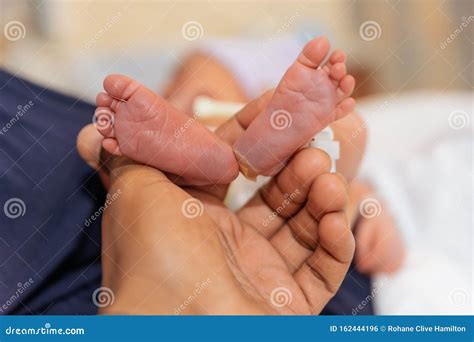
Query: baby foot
[(138, 123), (309, 97), (380, 246)]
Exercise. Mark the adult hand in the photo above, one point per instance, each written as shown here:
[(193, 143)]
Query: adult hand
[(169, 249)]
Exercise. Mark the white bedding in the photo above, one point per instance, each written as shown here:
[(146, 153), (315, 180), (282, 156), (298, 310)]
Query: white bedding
[(419, 158)]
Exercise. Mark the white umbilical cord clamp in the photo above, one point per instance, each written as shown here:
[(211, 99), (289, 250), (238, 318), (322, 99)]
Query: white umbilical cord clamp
[(206, 107), (324, 140)]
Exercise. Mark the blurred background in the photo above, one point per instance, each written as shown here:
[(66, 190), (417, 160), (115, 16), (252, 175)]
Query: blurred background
[(413, 63), (393, 45)]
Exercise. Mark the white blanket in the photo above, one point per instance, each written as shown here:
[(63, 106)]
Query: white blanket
[(419, 158)]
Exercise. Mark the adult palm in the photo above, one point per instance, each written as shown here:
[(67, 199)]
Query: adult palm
[(179, 249)]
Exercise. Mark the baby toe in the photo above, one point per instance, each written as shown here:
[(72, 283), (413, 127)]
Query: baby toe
[(346, 85), (345, 107), (103, 100), (314, 52), (111, 146), (338, 56), (337, 71), (120, 87)]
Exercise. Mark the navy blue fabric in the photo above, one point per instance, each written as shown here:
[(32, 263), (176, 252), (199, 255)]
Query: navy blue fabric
[(49, 260), (354, 296)]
